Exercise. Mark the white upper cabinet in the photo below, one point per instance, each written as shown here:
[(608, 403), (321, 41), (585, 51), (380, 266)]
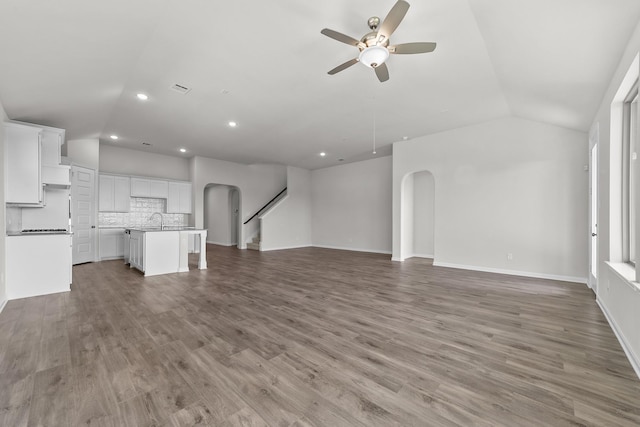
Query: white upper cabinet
[(53, 173), (145, 187), (158, 189), (52, 140), (114, 193), (23, 164), (179, 200)]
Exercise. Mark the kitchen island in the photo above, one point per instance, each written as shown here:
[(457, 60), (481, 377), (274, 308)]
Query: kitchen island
[(163, 250)]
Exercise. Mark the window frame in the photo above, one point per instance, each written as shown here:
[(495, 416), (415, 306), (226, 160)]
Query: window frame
[(629, 144)]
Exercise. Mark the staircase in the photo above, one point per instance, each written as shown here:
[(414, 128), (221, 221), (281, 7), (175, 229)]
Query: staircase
[(254, 244)]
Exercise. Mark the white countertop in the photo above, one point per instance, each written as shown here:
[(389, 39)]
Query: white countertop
[(166, 228)]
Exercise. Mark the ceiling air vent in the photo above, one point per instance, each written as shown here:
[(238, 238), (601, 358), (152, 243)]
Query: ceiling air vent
[(180, 89)]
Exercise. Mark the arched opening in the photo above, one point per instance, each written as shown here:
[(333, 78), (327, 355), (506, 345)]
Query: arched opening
[(222, 215), (417, 225)]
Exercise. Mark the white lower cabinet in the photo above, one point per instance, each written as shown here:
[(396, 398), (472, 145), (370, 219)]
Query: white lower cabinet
[(136, 249), (51, 254), (111, 243)]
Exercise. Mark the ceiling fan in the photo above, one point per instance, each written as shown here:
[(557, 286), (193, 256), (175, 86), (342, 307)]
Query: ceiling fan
[(374, 46)]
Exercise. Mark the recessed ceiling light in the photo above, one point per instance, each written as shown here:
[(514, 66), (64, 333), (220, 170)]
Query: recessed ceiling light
[(183, 150), (114, 136), (142, 97), (323, 154), (233, 124)]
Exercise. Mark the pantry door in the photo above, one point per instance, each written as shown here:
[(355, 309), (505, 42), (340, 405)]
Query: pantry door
[(83, 214)]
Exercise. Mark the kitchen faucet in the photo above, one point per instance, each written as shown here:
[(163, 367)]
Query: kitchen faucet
[(161, 219)]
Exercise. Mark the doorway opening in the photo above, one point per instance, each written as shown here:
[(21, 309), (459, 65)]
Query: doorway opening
[(417, 226), (222, 215)]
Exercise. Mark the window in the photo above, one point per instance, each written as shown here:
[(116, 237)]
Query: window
[(629, 142)]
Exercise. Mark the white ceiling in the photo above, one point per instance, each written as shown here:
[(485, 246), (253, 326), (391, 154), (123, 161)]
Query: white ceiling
[(78, 64)]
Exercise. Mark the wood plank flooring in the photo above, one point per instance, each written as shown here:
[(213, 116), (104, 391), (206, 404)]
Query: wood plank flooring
[(312, 337)]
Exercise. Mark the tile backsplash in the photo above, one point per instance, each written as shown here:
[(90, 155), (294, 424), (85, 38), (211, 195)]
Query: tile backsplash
[(139, 213)]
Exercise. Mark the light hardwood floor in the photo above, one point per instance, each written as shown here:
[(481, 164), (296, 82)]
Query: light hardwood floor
[(312, 337)]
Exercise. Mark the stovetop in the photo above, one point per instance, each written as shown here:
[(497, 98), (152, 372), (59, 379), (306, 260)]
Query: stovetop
[(45, 231)]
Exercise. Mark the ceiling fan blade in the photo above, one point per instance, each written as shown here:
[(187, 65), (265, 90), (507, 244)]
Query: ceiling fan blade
[(340, 37), (393, 19), (409, 48), (343, 66), (382, 72)]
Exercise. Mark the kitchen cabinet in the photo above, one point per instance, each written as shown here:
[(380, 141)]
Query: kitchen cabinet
[(127, 245), (114, 193), (111, 243), (179, 199), (153, 188), (52, 273), (136, 249), (52, 139), (23, 164), (53, 173)]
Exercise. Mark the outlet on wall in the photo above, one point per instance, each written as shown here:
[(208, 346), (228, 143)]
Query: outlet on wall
[(509, 256)]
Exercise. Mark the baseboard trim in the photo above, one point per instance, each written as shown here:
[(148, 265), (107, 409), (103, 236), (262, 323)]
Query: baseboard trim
[(220, 243), (633, 359), (281, 248), (582, 280), (3, 304), (372, 251), (421, 256)]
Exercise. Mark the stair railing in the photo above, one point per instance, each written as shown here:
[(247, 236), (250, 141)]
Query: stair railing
[(265, 206)]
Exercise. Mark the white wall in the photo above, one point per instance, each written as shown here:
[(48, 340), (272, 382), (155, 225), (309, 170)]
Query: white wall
[(504, 186), (423, 208), (619, 300), (288, 224), (3, 286), (218, 219), (135, 162), (83, 152), (257, 184), (351, 206)]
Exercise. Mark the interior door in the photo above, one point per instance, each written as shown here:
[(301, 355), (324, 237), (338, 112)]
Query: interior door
[(593, 211), (83, 214)]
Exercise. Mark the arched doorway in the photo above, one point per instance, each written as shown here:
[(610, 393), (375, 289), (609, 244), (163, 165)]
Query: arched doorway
[(222, 214)]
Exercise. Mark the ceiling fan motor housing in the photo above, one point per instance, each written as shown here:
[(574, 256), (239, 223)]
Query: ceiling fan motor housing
[(373, 22)]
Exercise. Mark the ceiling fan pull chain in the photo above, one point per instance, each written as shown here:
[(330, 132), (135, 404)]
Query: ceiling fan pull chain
[(374, 126)]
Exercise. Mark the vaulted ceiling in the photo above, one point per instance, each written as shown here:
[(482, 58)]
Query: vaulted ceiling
[(78, 65)]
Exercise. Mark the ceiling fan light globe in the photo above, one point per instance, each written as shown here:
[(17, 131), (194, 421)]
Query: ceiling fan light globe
[(374, 56)]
